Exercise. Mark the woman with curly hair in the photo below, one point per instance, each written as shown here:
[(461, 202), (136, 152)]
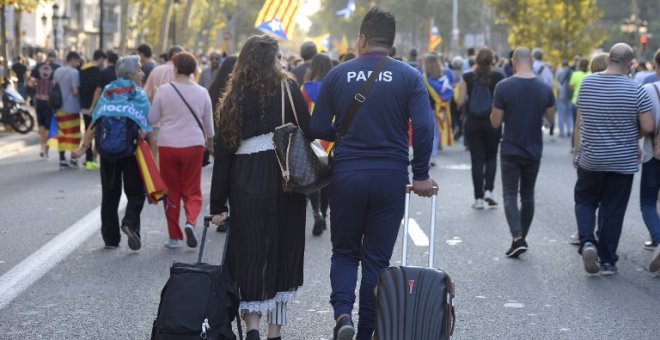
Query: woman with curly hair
[(483, 140), (267, 239)]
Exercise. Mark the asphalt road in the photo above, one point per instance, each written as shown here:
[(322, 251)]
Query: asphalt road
[(113, 294)]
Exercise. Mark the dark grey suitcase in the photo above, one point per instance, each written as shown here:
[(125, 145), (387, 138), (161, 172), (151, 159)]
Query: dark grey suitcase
[(414, 303)]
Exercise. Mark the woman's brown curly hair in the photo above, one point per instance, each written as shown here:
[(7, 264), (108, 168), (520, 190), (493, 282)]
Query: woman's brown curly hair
[(255, 69)]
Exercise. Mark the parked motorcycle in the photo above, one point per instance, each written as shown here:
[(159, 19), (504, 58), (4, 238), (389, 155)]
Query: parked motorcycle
[(13, 113)]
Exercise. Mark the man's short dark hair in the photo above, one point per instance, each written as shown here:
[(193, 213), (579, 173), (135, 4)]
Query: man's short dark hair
[(112, 57), (174, 50), (412, 54), (379, 27), (145, 49), (308, 50), (99, 54), (72, 56)]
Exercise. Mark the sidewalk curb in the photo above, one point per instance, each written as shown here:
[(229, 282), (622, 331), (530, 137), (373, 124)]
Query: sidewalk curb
[(14, 144)]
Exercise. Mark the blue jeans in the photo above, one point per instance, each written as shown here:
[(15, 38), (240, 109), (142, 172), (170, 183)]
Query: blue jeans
[(519, 175), (564, 117), (367, 208), (609, 192), (648, 197)]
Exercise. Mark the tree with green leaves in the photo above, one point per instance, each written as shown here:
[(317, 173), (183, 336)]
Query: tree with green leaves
[(562, 28)]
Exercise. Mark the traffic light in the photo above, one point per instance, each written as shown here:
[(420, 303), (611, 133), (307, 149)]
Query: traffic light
[(643, 40)]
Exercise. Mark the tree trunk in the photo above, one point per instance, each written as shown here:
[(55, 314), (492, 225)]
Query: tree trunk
[(123, 30), (17, 33), (141, 13), (184, 26), (3, 36), (164, 27)]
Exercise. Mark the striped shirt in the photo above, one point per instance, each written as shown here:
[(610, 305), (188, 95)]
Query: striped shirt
[(609, 131)]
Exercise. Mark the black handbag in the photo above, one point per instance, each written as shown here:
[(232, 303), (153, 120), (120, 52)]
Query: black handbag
[(206, 160), (304, 165)]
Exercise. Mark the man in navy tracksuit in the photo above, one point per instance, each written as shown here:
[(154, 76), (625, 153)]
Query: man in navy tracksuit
[(371, 166)]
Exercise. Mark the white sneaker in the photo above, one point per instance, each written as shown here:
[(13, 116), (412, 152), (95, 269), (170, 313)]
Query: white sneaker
[(172, 244), (478, 204), (488, 197)]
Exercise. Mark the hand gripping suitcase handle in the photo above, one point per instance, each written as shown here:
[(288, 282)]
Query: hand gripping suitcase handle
[(406, 221)]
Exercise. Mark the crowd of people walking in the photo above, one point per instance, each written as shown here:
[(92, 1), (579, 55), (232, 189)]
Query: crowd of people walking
[(230, 109)]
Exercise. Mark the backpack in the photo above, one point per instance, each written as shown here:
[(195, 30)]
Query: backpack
[(655, 138), (116, 137), (481, 101), (55, 97)]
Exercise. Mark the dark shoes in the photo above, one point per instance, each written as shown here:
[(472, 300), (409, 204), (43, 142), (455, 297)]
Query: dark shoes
[(655, 262), (252, 335), (319, 225), (191, 239), (344, 329), (517, 248), (590, 258), (607, 269), (650, 245), (133, 237)]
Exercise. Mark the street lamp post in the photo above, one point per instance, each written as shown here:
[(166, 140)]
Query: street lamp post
[(57, 18)]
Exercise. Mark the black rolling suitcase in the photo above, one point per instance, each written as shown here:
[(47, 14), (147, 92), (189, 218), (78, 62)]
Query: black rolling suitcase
[(199, 301), (414, 303)]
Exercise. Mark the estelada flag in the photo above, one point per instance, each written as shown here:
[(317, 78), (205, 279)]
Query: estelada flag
[(153, 183), (278, 17)]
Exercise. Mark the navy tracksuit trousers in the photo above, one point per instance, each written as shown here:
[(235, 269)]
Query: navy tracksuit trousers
[(366, 211)]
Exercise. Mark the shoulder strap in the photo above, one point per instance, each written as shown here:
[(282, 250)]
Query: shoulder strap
[(359, 98), (189, 108), (657, 92)]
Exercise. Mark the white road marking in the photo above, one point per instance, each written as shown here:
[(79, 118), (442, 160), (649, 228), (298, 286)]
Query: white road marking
[(417, 235), (514, 305), (27, 272)]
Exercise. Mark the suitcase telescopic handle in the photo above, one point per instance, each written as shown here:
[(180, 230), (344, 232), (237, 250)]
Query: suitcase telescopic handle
[(406, 221), (207, 221)]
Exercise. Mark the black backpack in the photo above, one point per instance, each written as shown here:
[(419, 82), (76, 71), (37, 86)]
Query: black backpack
[(116, 137), (481, 101), (55, 97), (199, 301)]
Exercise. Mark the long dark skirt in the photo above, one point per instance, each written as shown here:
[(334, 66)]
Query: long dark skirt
[(267, 243)]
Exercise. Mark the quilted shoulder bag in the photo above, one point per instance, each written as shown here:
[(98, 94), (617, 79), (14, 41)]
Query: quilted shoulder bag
[(304, 165)]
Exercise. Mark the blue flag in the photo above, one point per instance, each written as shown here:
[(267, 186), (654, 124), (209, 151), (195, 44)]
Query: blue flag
[(347, 12), (273, 27)]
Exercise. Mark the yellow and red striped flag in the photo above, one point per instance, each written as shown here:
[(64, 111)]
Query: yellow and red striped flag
[(435, 39), (153, 183), (278, 17)]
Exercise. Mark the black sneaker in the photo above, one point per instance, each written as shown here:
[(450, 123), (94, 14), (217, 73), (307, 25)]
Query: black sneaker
[(133, 238), (590, 258), (110, 246), (191, 239), (517, 248), (650, 245), (344, 329), (73, 163), (64, 165), (608, 269), (253, 335), (655, 262), (319, 225)]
